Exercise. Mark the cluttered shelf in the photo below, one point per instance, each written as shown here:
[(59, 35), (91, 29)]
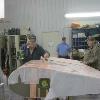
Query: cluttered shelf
[(87, 31), (79, 39), (79, 36)]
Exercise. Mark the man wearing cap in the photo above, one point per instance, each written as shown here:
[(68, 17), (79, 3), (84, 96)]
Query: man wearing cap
[(32, 51), (92, 55)]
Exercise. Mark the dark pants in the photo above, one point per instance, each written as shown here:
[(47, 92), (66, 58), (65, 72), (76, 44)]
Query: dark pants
[(66, 57)]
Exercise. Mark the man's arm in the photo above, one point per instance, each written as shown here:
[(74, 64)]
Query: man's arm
[(92, 57)]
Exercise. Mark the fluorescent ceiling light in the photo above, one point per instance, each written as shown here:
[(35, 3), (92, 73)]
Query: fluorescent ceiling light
[(79, 15), (1, 8)]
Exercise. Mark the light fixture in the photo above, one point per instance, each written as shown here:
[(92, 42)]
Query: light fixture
[(1, 8), (80, 15)]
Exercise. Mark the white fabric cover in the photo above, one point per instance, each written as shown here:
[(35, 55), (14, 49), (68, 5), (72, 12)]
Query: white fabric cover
[(68, 77), (5, 92)]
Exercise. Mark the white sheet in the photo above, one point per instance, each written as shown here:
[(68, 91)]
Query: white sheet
[(68, 77)]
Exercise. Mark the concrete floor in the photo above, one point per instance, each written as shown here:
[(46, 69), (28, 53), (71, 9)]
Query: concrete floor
[(87, 97)]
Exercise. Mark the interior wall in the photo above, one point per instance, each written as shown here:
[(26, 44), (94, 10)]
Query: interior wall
[(47, 15), (83, 6), (40, 15)]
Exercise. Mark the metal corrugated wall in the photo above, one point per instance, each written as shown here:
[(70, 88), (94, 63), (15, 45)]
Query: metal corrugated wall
[(40, 15), (46, 15)]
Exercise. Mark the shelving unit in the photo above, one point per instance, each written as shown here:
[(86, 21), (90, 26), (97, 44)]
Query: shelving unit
[(80, 35), (14, 43)]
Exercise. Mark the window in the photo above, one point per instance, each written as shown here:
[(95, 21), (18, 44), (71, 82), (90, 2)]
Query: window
[(1, 8)]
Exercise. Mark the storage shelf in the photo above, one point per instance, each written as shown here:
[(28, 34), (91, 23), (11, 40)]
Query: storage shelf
[(79, 41)]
